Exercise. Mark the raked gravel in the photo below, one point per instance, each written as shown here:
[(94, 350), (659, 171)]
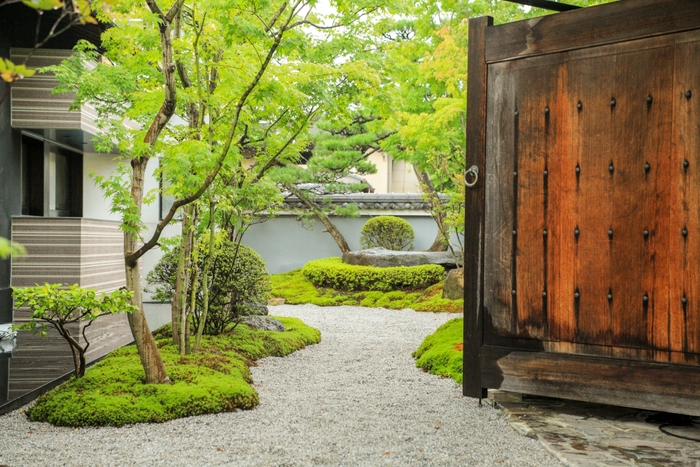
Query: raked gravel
[(356, 398)]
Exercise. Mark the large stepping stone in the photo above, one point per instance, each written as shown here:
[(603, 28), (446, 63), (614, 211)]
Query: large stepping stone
[(383, 258)]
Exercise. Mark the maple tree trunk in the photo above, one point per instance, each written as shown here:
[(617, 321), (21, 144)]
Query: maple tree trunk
[(151, 360), (440, 243)]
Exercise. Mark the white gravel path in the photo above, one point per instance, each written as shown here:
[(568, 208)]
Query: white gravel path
[(354, 399)]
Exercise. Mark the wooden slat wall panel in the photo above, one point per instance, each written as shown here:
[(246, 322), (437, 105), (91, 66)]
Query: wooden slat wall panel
[(655, 135), (587, 199), (637, 204), (70, 251), (35, 106)]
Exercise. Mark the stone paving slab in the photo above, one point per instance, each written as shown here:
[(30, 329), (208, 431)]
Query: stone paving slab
[(583, 434)]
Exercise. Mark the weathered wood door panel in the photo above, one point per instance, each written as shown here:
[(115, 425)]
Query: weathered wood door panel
[(684, 326), (590, 234), (580, 153), (585, 205)]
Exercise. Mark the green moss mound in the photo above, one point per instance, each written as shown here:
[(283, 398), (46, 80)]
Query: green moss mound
[(441, 352), (217, 379), (296, 289), (332, 272)]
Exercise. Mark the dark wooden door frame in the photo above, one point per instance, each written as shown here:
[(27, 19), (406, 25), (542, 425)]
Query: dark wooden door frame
[(475, 208)]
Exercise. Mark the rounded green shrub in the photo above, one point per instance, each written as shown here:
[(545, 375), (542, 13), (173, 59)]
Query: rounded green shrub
[(238, 284), (332, 272), (390, 232)]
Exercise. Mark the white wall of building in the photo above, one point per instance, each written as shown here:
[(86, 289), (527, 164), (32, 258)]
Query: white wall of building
[(96, 206), (393, 176), (403, 178)]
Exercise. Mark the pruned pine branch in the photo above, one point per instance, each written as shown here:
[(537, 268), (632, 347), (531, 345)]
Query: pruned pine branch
[(273, 161)]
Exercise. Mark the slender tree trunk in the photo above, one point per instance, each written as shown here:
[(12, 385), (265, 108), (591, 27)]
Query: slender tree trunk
[(194, 280), (176, 304), (74, 348), (79, 360), (188, 334), (323, 217), (333, 230), (441, 241), (205, 276), (145, 344), (186, 257)]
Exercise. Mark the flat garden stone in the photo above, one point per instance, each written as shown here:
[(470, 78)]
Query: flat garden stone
[(383, 258)]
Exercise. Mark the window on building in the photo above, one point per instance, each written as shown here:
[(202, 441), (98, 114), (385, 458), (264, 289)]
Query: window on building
[(52, 179)]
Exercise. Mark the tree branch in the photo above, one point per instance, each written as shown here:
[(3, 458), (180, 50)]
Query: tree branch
[(131, 258), (274, 158)]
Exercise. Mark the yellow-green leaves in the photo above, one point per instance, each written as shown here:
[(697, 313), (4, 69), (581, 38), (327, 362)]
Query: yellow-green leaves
[(11, 72), (54, 303), (43, 4), (8, 248), (80, 8)]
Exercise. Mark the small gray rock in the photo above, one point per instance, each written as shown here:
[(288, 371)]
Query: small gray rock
[(264, 323), (454, 285)]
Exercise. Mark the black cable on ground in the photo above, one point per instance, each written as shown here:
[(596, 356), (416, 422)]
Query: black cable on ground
[(667, 420)]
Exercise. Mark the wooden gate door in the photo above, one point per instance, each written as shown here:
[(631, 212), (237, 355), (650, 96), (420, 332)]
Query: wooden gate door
[(583, 228)]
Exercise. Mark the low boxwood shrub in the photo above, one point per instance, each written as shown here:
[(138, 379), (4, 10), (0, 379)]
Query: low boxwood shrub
[(332, 272), (390, 232), (296, 289)]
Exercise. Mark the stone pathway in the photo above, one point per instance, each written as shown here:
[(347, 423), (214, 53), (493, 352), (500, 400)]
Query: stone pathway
[(594, 435)]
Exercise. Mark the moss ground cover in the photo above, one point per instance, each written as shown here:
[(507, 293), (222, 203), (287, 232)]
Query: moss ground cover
[(217, 379), (296, 289), (441, 352)]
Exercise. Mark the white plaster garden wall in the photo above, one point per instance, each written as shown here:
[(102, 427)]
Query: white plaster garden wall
[(285, 245)]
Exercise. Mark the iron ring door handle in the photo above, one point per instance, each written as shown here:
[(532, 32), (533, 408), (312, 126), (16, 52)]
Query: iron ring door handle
[(474, 172)]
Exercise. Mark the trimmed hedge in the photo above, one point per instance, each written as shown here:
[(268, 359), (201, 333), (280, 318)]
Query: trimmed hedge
[(332, 272), (296, 289)]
